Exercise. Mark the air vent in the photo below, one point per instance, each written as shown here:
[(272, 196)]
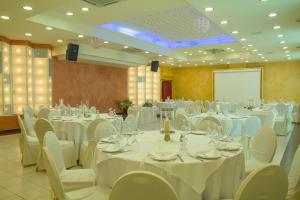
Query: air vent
[(214, 51), (132, 50), (298, 20), (102, 3)]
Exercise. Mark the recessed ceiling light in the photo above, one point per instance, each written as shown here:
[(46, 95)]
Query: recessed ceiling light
[(80, 36), (163, 62), (266, 60), (190, 54), (125, 47), (254, 50), (221, 60), (180, 65), (203, 61), (59, 41), (228, 63), (209, 9), (204, 53), (5, 17), (228, 48), (28, 34), (243, 39), (246, 61), (161, 56), (285, 47), (262, 57), (69, 13), (263, 0), (287, 52), (85, 9), (288, 55), (276, 27), (26, 7), (234, 32), (185, 52), (272, 15), (147, 52), (188, 63), (48, 28), (199, 51), (224, 22), (232, 50), (195, 64), (282, 42), (280, 35), (259, 54), (106, 42), (211, 63), (289, 58), (250, 45)]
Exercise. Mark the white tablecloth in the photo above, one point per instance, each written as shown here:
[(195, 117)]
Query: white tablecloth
[(148, 114), (68, 128), (193, 171)]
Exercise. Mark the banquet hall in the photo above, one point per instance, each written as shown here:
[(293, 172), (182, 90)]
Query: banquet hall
[(149, 100)]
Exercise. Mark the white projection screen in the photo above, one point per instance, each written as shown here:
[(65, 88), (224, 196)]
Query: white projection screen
[(237, 85)]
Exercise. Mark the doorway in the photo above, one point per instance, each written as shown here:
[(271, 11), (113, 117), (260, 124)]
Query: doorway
[(166, 88)]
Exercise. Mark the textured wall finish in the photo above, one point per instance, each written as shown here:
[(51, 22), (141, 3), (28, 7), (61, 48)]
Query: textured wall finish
[(281, 80), (100, 85)]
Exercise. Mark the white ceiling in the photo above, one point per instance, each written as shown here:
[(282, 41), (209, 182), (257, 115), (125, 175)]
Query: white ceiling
[(170, 19)]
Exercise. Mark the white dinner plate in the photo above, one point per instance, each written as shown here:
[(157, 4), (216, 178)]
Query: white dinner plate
[(112, 148), (209, 155), (163, 156), (108, 140), (230, 147)]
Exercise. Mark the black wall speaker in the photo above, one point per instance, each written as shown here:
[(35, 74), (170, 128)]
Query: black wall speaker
[(154, 66), (72, 52)]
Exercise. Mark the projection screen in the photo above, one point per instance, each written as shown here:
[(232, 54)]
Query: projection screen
[(237, 85)]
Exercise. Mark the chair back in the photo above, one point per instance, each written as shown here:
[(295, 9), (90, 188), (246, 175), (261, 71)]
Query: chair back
[(133, 110), (131, 122), (29, 125), (264, 145), (43, 113), (28, 109), (180, 110), (90, 132), (22, 126), (281, 109), (181, 122), (51, 143), (53, 175), (93, 110), (294, 173), (42, 126), (104, 129), (267, 183), (251, 126), (139, 185), (202, 125), (270, 119)]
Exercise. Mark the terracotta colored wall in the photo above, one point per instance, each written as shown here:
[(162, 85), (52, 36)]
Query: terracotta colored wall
[(100, 85), (281, 80)]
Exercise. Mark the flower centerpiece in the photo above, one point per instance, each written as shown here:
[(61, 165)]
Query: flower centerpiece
[(124, 104)]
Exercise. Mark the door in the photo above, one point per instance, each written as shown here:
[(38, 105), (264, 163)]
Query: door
[(166, 89)]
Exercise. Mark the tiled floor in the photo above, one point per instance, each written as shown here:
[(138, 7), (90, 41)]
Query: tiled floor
[(18, 183)]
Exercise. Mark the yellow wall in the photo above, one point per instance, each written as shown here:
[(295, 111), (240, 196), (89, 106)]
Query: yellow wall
[(281, 80)]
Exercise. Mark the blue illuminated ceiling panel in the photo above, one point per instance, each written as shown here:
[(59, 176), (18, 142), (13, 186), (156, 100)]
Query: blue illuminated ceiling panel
[(177, 28)]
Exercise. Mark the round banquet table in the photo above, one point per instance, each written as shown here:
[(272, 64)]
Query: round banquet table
[(231, 123), (74, 128), (190, 169)]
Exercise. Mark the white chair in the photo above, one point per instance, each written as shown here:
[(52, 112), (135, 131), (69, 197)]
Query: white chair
[(269, 120), (29, 146), (206, 106), (294, 175), (296, 113), (249, 129), (266, 183), (180, 110), (28, 109), (29, 125), (43, 113), (70, 179), (87, 147), (42, 126), (281, 109), (93, 110), (88, 193), (131, 123), (181, 122), (104, 129), (283, 124), (133, 110), (262, 149), (139, 185)]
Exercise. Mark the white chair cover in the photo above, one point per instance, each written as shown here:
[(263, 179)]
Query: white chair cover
[(43, 113), (133, 110), (251, 126), (142, 185), (180, 110), (42, 126), (181, 122), (281, 109), (91, 193), (131, 123), (283, 124), (262, 149), (266, 183), (29, 146), (93, 110), (270, 119), (104, 129), (294, 174), (88, 147), (296, 113), (29, 125), (71, 179), (28, 109)]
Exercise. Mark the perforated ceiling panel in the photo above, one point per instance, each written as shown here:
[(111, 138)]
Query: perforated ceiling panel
[(174, 28)]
